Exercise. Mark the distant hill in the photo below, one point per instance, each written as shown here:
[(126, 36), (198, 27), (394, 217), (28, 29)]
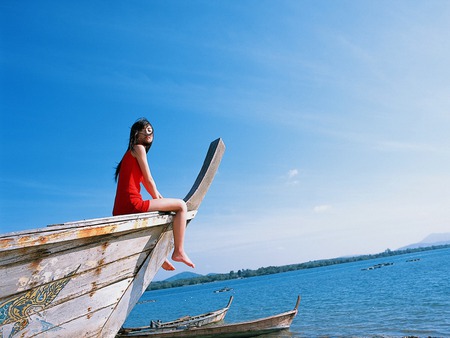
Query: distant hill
[(185, 278), (430, 240), (183, 275)]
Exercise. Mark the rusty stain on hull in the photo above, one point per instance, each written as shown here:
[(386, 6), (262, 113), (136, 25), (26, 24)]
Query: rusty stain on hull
[(24, 239), (105, 246), (35, 266), (100, 264), (5, 243), (93, 290), (91, 232)]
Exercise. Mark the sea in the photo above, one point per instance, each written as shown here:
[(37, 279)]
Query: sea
[(399, 296)]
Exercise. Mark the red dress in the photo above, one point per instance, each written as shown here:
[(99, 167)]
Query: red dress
[(128, 195)]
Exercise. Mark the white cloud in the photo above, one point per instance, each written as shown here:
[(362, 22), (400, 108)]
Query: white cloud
[(291, 177), (321, 208), (292, 173)]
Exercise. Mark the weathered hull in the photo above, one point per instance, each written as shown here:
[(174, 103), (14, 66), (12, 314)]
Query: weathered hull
[(252, 328), (205, 319), (70, 286), (82, 279), (246, 329)]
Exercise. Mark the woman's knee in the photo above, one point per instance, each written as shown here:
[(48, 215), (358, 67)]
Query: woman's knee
[(179, 205), (182, 205)]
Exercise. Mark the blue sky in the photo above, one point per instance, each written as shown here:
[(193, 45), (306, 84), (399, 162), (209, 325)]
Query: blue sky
[(336, 117)]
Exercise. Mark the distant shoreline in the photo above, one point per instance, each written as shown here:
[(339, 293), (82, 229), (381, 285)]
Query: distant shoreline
[(285, 268)]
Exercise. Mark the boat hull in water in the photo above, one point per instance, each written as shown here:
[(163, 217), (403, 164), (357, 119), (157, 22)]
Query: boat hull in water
[(252, 328)]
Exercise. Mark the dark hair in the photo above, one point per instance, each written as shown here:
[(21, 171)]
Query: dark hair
[(140, 124)]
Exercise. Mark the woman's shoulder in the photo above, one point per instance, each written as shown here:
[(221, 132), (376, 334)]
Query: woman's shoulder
[(138, 150)]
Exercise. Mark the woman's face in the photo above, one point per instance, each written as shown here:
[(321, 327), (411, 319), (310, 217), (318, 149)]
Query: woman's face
[(146, 136)]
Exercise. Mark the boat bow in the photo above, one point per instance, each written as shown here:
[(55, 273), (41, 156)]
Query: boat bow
[(82, 279)]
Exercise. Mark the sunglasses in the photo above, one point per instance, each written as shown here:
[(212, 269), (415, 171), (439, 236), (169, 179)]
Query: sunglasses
[(147, 131)]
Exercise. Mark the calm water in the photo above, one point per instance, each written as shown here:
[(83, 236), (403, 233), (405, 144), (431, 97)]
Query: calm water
[(403, 299)]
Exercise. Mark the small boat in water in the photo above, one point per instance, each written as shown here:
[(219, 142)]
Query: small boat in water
[(377, 266), (225, 289), (250, 328), (183, 323), (82, 279)]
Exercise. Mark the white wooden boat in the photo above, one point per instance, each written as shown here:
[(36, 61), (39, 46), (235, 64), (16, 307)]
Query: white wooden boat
[(82, 279), (183, 323), (252, 328)]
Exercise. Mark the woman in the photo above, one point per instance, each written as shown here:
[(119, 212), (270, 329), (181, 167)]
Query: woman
[(133, 170)]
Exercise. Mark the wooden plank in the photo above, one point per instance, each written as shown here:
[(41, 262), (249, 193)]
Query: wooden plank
[(91, 281), (89, 322), (58, 263), (140, 284), (88, 284), (73, 232), (29, 254), (80, 308)]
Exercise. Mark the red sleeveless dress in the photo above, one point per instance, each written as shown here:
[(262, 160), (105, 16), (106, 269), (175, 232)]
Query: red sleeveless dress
[(128, 194)]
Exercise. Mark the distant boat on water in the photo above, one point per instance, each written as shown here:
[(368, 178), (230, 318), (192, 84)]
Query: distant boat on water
[(82, 279), (225, 289), (413, 260), (377, 266)]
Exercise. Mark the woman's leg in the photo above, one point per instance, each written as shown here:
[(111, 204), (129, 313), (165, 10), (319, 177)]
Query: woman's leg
[(179, 225)]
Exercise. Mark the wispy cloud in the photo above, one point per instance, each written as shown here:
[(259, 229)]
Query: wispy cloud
[(319, 209), (292, 173), (405, 146), (292, 177)]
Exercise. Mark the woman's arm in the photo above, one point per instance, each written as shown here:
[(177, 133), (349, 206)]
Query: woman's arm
[(140, 154)]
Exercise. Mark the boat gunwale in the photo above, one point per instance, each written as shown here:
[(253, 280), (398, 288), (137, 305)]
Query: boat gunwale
[(86, 229)]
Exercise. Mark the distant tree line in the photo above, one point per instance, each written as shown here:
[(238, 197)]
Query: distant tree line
[(245, 273)]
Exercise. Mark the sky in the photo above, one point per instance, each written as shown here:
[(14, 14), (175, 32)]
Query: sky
[(335, 115)]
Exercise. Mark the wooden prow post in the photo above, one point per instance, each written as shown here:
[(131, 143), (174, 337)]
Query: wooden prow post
[(206, 175), (298, 302)]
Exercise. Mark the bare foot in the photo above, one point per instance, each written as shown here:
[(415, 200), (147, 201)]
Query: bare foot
[(167, 266), (183, 258)]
